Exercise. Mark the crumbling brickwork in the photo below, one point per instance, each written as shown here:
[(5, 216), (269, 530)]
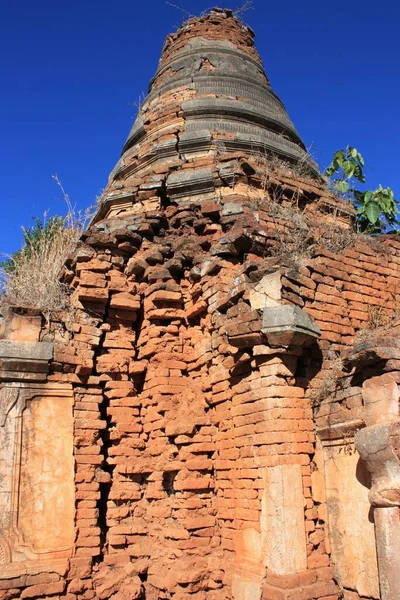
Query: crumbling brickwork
[(201, 391)]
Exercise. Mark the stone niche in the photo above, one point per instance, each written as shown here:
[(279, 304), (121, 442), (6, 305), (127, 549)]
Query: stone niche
[(350, 518), (37, 494)]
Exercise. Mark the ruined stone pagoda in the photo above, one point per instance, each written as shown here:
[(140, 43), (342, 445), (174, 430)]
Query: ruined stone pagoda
[(209, 98), (204, 423)]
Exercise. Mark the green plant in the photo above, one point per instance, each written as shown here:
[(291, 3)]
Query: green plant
[(347, 164), (42, 232), (31, 276), (376, 210)]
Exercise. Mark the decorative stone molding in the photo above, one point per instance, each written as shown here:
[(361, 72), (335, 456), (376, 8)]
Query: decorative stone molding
[(190, 182), (339, 432), (379, 447), (381, 399), (22, 325), (285, 549), (24, 361), (280, 544), (36, 463), (388, 547)]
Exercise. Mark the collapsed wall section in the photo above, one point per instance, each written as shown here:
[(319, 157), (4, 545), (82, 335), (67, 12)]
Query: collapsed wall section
[(196, 468)]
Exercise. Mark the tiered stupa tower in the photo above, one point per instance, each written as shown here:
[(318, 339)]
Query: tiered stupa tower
[(189, 428), (209, 97)]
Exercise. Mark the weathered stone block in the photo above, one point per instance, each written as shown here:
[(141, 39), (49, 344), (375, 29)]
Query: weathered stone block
[(288, 325), (27, 361)]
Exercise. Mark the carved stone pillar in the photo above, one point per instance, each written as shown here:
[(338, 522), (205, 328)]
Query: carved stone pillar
[(379, 447)]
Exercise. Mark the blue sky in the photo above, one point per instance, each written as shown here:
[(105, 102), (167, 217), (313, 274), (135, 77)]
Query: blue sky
[(72, 71)]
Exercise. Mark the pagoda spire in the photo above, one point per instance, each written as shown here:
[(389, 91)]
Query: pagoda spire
[(209, 96)]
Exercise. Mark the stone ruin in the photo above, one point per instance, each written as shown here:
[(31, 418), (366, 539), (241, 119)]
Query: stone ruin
[(217, 415)]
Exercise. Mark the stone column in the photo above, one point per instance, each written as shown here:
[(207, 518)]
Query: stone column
[(387, 527), (272, 562), (379, 446)]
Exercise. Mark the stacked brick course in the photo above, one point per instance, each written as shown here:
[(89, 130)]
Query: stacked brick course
[(186, 417)]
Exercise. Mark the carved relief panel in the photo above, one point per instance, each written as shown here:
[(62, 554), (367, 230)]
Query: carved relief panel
[(36, 474)]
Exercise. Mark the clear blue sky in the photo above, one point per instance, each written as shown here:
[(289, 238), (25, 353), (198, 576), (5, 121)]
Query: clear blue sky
[(71, 72)]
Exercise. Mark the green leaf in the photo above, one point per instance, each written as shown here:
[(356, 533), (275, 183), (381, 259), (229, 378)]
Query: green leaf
[(359, 196), (372, 211), (338, 154), (341, 186), (358, 174), (331, 169), (348, 168), (339, 157), (367, 196)]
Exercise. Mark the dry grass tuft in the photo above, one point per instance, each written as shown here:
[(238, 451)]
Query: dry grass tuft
[(275, 165), (238, 13), (299, 232), (243, 8), (295, 239), (335, 238), (32, 279), (380, 318)]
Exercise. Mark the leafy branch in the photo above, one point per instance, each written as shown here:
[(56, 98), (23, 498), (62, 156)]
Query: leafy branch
[(376, 210)]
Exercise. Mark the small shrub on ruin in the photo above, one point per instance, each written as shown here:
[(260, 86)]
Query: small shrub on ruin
[(293, 233), (31, 276), (238, 12), (334, 237), (377, 210), (380, 317)]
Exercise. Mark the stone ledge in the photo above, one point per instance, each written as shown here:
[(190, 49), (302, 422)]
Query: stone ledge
[(22, 574), (26, 350), (27, 361), (190, 181), (286, 325)]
